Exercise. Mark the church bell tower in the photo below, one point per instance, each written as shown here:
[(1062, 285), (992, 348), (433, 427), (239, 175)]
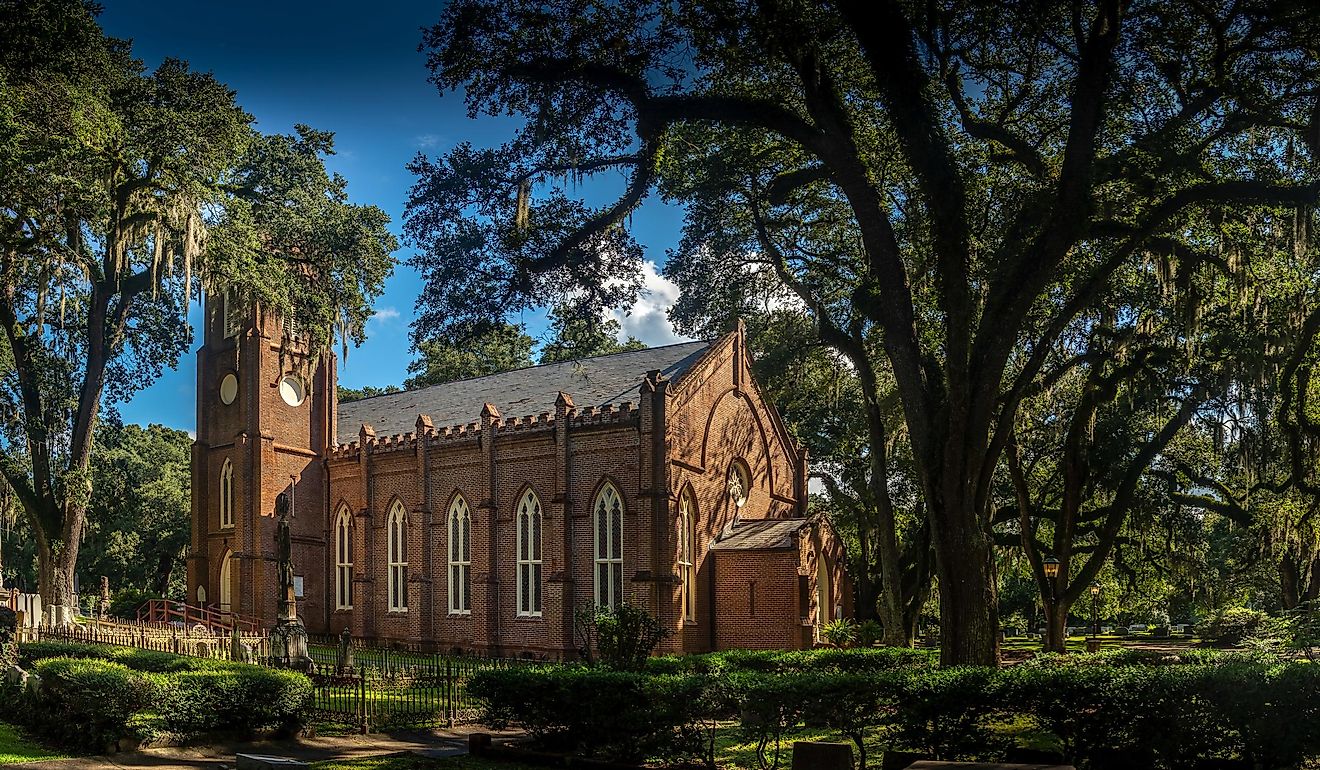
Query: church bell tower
[(265, 419)]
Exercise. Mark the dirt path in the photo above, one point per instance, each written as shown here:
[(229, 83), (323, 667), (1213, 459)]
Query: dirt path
[(434, 743)]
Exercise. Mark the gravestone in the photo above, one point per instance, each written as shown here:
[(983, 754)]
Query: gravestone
[(103, 600), (344, 664), (812, 755)]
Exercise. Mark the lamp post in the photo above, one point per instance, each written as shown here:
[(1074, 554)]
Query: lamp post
[(1051, 567), (1095, 610)]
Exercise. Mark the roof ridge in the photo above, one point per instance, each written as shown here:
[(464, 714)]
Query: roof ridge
[(529, 368)]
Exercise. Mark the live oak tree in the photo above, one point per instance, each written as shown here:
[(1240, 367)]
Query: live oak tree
[(961, 181), (125, 193)]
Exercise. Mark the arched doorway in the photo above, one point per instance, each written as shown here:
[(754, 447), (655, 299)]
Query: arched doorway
[(226, 581)]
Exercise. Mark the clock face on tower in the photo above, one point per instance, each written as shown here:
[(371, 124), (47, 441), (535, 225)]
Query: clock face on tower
[(292, 390), (228, 389)]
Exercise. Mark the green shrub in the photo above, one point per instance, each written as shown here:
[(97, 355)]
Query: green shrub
[(789, 661), (618, 715), (237, 698), (621, 637), (86, 703), (840, 633), (189, 696), (948, 712), (1233, 626), (869, 632)]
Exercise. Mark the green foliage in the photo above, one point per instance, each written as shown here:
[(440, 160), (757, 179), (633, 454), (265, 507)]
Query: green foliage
[(1234, 626), (476, 352), (8, 637), (873, 659), (618, 715), (840, 633), (572, 337), (347, 395), (129, 193), (869, 632), (86, 703), (620, 638), (140, 510), (132, 693), (1106, 711)]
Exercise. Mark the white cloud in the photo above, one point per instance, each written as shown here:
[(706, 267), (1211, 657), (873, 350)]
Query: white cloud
[(648, 318), (385, 315), (428, 141)]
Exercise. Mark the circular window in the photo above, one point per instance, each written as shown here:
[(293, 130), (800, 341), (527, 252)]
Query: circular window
[(738, 484), (228, 389), (292, 390)]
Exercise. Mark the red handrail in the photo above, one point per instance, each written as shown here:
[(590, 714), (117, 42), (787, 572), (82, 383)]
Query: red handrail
[(165, 611)]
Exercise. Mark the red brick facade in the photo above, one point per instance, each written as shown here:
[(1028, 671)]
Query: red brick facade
[(668, 450)]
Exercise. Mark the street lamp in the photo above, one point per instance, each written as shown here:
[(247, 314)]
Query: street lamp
[(1051, 566), (1095, 610)]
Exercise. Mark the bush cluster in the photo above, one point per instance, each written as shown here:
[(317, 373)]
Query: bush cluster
[(1106, 711), (93, 696)]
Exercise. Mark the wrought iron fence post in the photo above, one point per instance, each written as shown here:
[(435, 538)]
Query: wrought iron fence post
[(363, 724), (451, 708)]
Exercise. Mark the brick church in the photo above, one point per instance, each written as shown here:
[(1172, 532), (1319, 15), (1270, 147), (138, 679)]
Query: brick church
[(481, 514)]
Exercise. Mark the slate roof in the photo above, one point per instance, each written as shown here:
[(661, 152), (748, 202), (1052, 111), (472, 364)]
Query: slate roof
[(589, 381), (761, 534)]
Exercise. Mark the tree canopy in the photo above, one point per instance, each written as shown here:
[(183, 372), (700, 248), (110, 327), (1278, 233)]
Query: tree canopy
[(124, 194), (950, 191)]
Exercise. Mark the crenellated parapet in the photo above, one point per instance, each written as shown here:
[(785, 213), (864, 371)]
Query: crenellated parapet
[(622, 413)]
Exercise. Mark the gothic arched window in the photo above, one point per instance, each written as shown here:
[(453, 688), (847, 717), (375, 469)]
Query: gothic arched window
[(687, 538), (460, 557), (227, 582), (397, 552), (343, 559), (227, 495), (607, 520), (529, 555)]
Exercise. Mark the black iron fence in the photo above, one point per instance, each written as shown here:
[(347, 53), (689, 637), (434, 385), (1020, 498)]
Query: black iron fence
[(387, 688)]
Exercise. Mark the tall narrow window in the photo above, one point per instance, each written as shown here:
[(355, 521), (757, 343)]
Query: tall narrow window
[(687, 537), (227, 495), (608, 521), (460, 558), (233, 314), (226, 582), (529, 555), (343, 559), (397, 547)]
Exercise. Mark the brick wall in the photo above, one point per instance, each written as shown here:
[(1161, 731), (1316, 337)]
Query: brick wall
[(677, 438)]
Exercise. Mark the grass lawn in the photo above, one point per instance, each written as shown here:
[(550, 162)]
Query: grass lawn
[(16, 747), (414, 762)]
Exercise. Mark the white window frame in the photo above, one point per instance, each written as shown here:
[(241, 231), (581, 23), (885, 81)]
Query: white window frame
[(460, 557), (529, 522), (607, 509), (227, 495), (687, 537), (343, 559), (396, 544)]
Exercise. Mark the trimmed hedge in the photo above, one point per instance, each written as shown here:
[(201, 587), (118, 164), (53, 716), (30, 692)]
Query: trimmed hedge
[(620, 715), (1117, 711), (792, 661), (94, 696)]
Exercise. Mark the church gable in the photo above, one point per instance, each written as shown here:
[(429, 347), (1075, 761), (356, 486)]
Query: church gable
[(718, 418)]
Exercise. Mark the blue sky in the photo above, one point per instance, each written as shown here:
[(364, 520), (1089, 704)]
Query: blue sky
[(353, 69)]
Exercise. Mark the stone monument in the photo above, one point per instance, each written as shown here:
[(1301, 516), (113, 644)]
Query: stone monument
[(103, 601), (345, 665), (288, 639)]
